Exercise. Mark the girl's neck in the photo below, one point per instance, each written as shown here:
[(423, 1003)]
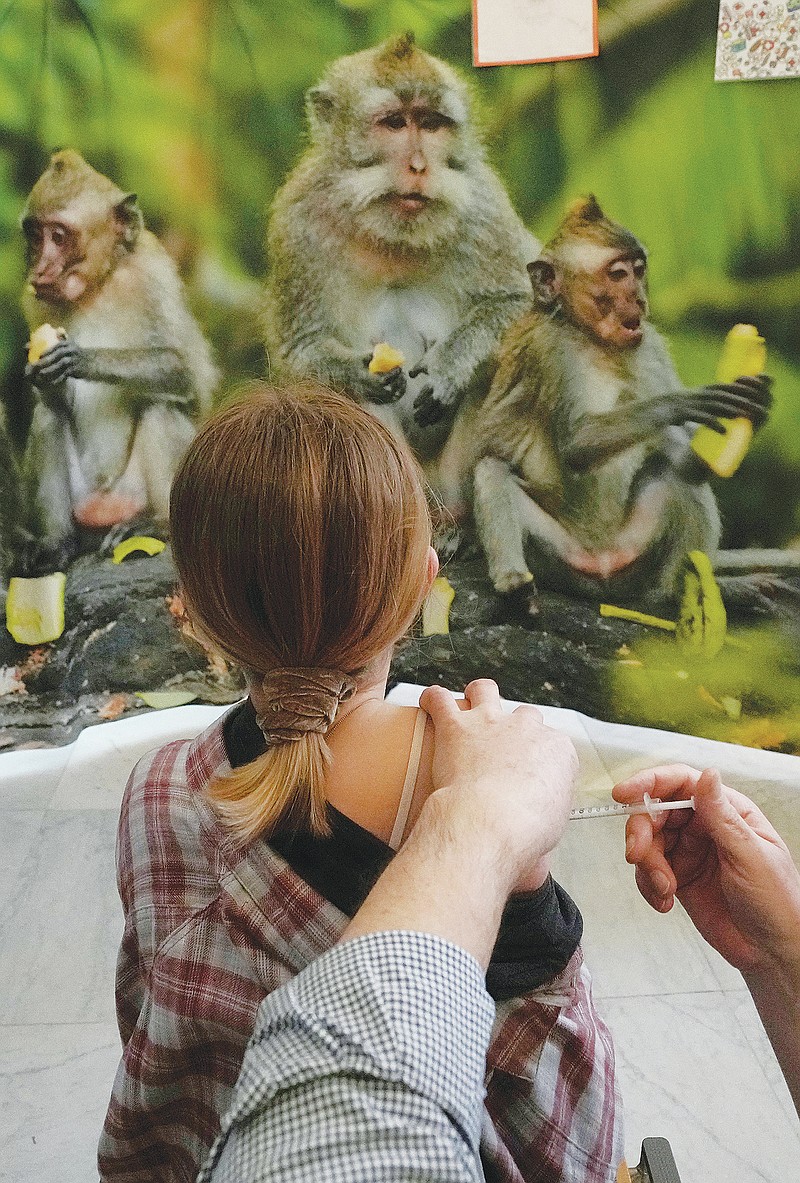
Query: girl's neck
[(371, 688)]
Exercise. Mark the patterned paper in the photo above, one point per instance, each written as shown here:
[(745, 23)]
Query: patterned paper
[(758, 41), (525, 31)]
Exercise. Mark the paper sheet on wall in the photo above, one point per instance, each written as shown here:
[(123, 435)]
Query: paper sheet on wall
[(758, 41), (507, 32)]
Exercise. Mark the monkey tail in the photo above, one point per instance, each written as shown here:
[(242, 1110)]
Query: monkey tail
[(752, 559)]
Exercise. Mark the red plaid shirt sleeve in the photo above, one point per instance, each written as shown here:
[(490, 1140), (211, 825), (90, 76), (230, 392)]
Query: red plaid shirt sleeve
[(211, 929)]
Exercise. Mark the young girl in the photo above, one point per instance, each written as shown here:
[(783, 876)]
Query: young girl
[(302, 540)]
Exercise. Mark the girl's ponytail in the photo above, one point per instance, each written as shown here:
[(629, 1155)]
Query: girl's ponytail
[(286, 784)]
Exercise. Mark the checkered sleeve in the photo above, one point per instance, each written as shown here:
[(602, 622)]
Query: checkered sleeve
[(358, 1073)]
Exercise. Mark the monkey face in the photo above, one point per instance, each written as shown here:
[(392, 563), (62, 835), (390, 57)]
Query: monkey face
[(407, 178), (54, 253), (64, 261), (77, 225), (413, 141), (607, 296)]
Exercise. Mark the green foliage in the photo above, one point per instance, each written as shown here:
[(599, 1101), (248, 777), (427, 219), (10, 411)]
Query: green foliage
[(198, 107), (749, 693)]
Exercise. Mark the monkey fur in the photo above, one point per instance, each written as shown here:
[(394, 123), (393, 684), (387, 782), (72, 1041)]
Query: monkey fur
[(393, 228), (585, 477), (115, 402)]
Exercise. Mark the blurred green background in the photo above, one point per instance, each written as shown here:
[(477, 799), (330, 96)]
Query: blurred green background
[(197, 105)]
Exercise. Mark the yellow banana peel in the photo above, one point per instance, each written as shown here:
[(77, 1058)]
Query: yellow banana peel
[(436, 612), (35, 608)]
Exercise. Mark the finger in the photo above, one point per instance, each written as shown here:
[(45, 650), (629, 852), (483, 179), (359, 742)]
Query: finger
[(656, 900), (528, 708), (733, 405), (718, 405), (440, 704), (758, 386), (764, 380), (724, 387), (718, 816), (638, 837), (482, 692), (710, 420), (666, 781), (54, 372), (750, 400), (382, 397), (646, 852)]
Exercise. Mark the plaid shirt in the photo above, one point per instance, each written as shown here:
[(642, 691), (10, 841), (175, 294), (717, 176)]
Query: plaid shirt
[(211, 928)]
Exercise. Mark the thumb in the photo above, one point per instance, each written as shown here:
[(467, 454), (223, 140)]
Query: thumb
[(719, 818)]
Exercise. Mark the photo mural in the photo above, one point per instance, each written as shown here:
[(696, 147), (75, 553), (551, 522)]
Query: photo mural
[(570, 281)]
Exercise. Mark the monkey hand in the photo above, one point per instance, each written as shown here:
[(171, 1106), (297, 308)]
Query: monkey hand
[(746, 398), (386, 388), (440, 395), (757, 391), (65, 360), (428, 408)]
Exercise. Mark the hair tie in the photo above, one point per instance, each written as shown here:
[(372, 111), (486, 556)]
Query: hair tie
[(291, 703)]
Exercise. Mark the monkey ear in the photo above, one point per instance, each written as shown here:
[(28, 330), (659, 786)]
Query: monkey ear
[(129, 219), (320, 105), (545, 283)]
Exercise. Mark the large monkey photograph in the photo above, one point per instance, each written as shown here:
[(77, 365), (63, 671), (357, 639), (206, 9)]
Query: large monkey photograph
[(569, 291), (523, 270)]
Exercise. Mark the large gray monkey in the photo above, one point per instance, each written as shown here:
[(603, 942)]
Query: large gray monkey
[(393, 228)]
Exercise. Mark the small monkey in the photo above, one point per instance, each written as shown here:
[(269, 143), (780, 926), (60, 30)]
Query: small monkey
[(586, 474), (116, 400), (393, 228)]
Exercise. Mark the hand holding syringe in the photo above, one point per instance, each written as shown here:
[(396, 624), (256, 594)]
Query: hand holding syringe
[(649, 805)]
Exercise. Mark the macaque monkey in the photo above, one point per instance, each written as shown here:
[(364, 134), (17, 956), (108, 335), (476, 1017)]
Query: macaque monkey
[(586, 478), (393, 229), (117, 397)]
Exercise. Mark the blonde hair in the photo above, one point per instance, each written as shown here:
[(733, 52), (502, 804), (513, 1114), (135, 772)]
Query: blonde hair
[(300, 530)]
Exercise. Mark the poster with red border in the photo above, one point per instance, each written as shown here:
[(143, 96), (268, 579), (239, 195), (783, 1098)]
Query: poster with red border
[(520, 32)]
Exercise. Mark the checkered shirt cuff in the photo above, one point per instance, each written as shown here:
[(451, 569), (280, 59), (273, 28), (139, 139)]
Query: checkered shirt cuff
[(405, 1012)]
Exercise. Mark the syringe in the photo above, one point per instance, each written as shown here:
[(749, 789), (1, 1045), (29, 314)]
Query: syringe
[(650, 805)]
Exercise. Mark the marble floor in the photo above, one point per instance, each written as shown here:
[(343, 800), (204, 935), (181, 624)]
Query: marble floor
[(695, 1065)]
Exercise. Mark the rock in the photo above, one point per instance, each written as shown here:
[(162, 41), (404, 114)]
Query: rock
[(121, 637)]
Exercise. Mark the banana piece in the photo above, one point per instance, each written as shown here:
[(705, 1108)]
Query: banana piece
[(42, 339), (385, 358)]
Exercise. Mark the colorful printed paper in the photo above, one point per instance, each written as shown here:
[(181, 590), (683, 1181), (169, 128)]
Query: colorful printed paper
[(507, 32), (758, 41)]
